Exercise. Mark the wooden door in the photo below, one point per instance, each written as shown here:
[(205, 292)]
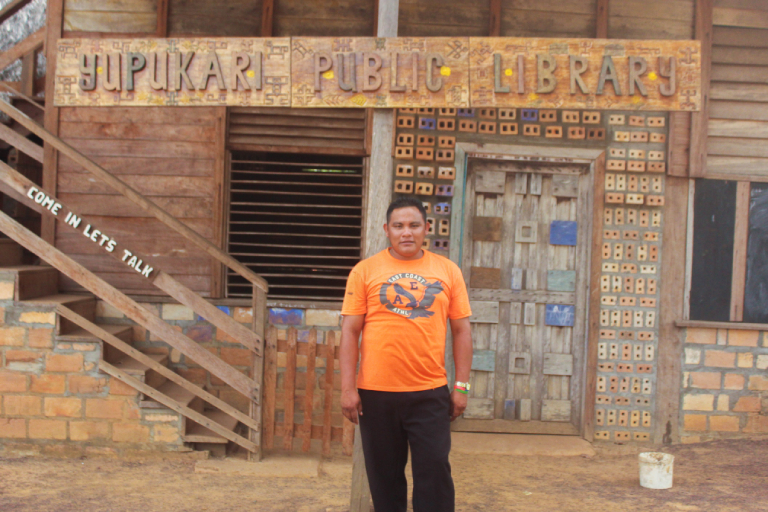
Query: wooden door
[(525, 258)]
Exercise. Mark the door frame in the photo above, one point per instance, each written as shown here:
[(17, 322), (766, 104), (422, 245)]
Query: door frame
[(595, 159)]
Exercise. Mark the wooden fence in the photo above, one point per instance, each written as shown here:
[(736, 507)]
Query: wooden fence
[(305, 396)]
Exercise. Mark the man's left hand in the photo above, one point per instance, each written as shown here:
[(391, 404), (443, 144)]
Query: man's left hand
[(458, 404)]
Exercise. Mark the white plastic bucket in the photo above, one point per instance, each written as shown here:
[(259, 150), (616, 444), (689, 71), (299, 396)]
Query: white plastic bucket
[(656, 470)]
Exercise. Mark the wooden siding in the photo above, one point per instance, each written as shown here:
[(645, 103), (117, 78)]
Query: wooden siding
[(651, 19), (435, 18), (167, 154), (323, 19), (738, 121), (122, 16), (549, 18), (233, 18)]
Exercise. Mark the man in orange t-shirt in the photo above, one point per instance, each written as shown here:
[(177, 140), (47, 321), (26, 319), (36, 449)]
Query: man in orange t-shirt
[(400, 300)]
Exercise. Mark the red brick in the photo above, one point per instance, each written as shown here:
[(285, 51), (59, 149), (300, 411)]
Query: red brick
[(48, 384), (243, 315), (13, 428), (755, 424), (60, 406), (103, 408), (747, 404), (724, 423), (23, 405), (40, 338), (130, 433), (236, 356), (740, 338), (758, 383), (705, 380), (11, 382), (719, 359), (47, 429), (64, 363), (2, 316), (12, 336), (120, 388), (86, 385), (87, 430), (22, 356), (733, 381), (166, 434), (701, 336), (695, 422)]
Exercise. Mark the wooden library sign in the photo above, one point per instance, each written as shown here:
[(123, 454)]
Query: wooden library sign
[(368, 72)]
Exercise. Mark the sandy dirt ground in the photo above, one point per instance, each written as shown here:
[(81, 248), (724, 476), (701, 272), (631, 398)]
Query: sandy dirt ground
[(718, 476)]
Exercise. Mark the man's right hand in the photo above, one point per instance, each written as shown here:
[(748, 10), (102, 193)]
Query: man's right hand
[(351, 406)]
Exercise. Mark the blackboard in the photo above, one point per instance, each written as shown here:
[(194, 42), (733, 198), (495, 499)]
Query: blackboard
[(756, 289), (714, 214)]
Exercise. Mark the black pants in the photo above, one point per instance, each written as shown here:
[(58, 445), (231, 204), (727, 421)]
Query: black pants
[(392, 421)]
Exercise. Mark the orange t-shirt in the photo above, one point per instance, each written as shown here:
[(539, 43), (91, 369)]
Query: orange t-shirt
[(406, 304)]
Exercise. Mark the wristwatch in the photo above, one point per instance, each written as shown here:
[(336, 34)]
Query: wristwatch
[(461, 385)]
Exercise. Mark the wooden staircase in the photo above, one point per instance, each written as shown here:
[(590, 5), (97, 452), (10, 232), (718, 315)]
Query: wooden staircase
[(36, 289)]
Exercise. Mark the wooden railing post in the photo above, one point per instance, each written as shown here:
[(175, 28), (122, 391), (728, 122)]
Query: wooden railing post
[(259, 312)]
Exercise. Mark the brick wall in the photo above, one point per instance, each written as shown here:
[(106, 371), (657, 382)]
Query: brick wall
[(52, 393), (725, 384)]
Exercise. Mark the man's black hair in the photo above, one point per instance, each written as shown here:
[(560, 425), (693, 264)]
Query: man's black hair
[(407, 202)]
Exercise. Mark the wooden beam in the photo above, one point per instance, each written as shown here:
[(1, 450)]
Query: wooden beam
[(259, 326), (54, 27), (12, 8), (700, 119), (21, 143), (267, 17), (133, 195), (30, 44), (172, 404), (162, 18), (601, 26), (28, 68), (128, 307), (494, 19), (671, 306), (740, 238), (154, 365)]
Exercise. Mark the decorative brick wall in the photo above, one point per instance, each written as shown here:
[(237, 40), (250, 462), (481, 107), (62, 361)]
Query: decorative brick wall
[(725, 384)]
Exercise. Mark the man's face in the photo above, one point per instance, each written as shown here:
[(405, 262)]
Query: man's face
[(406, 231)]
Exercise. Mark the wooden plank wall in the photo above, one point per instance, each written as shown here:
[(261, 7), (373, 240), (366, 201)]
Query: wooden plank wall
[(548, 18), (435, 18), (122, 16), (323, 19), (738, 121), (650, 19), (233, 18), (165, 153)]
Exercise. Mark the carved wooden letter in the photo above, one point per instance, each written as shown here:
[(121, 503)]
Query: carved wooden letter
[(136, 62), (668, 71), (111, 79), (608, 72), (87, 80), (545, 76), (578, 66), (257, 78), (635, 72), (371, 75), (497, 87), (181, 63), (434, 63), (323, 63), (344, 64), (240, 62), (158, 78), (393, 85), (211, 67), (415, 71)]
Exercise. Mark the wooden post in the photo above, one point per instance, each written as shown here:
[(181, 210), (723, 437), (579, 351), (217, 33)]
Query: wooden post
[(669, 358), (601, 26), (740, 238), (289, 390), (330, 368), (270, 388), (28, 68), (267, 17), (162, 18), (259, 324), (379, 187), (700, 119), (494, 19), (309, 391), (53, 25)]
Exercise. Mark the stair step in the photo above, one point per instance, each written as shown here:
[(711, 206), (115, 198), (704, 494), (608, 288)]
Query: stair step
[(34, 281), (197, 433), (172, 390), (133, 367), (83, 305), (11, 253), (79, 335)]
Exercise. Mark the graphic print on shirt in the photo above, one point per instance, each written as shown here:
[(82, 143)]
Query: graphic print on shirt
[(409, 295)]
